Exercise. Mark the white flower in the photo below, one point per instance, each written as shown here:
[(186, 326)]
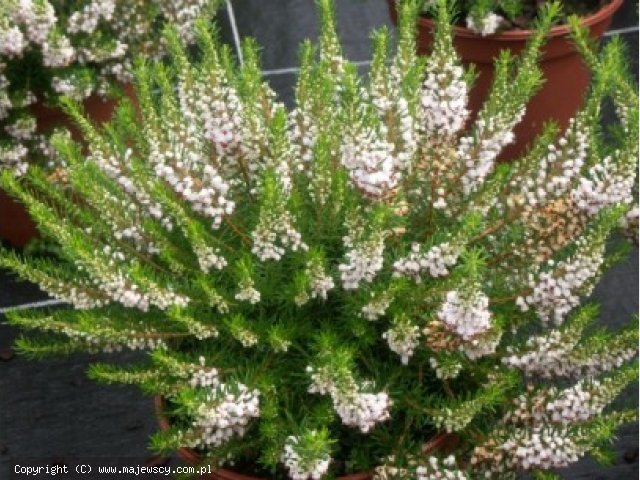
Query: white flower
[(204, 377), (403, 338), (87, 19), (371, 163), (274, 234), (422, 468), (377, 307), (209, 258), (225, 413), (14, 158), (248, 293), (545, 447), (481, 346), (355, 407), (364, 260), (71, 87), (485, 26), (445, 370), (320, 283), (22, 129), (387, 96), (364, 410), (608, 182), (444, 98), (12, 42), (558, 291), (300, 466), (38, 18), (467, 314), (479, 152), (557, 169), (435, 261), (189, 173), (554, 355), (57, 52)]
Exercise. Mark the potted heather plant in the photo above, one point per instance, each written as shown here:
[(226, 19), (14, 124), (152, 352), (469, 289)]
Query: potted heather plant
[(77, 48), (482, 28), (351, 287)]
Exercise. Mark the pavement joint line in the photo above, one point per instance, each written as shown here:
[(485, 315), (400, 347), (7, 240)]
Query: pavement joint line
[(234, 30), (279, 71), (619, 31), (25, 306), (286, 70)]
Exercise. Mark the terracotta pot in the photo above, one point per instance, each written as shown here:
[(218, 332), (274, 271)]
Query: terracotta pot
[(192, 457), (566, 77), (97, 109), (16, 227)]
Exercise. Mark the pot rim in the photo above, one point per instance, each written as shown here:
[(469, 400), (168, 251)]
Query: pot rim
[(191, 456), (597, 17)]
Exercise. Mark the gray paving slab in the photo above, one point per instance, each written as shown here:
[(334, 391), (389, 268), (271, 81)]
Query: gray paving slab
[(626, 16), (280, 26)]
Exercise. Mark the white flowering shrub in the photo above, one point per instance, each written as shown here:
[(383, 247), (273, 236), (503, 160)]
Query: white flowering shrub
[(327, 289), (486, 17), (51, 48)]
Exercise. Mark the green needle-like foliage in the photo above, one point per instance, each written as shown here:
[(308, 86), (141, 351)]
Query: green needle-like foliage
[(352, 284)]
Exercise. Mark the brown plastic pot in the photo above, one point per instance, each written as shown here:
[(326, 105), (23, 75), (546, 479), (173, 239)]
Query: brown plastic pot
[(566, 77), (16, 226), (98, 109), (444, 442)]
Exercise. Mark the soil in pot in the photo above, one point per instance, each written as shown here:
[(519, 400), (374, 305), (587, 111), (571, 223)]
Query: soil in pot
[(566, 77), (16, 226)]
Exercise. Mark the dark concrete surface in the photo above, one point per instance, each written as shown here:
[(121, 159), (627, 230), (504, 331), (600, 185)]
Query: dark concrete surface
[(50, 410)]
